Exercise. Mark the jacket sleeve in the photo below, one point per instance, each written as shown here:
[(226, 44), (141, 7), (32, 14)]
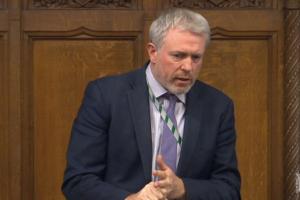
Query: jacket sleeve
[(224, 182), (86, 156)]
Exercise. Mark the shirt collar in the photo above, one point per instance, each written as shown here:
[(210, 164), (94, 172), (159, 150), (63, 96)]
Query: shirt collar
[(157, 89)]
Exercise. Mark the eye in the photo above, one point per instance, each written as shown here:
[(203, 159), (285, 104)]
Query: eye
[(196, 58), (178, 56)]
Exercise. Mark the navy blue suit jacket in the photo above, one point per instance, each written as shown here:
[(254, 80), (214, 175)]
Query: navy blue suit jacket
[(110, 151)]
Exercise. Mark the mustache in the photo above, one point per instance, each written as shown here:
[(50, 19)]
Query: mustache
[(184, 76)]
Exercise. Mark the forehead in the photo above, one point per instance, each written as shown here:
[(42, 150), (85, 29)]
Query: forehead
[(182, 39)]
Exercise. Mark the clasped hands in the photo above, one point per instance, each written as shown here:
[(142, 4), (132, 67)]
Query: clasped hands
[(168, 186)]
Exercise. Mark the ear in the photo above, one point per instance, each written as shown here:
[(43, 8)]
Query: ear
[(152, 52)]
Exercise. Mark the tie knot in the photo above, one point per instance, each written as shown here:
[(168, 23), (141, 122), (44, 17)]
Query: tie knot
[(171, 97), (172, 102)]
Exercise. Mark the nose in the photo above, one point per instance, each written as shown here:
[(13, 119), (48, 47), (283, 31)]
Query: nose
[(187, 64)]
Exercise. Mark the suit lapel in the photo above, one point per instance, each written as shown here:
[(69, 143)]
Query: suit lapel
[(192, 129), (138, 99), (139, 108)]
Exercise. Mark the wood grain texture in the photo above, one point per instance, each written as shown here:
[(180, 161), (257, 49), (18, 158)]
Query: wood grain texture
[(52, 52), (219, 4), (292, 4), (89, 19), (3, 20), (239, 68), (81, 4), (13, 22), (292, 104), (269, 20), (4, 161), (61, 70)]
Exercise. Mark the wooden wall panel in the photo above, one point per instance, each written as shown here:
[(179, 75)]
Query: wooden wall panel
[(240, 68), (99, 20), (62, 52), (4, 161), (3, 20), (60, 71), (221, 4), (249, 56), (15, 101), (81, 4), (4, 105), (68, 43)]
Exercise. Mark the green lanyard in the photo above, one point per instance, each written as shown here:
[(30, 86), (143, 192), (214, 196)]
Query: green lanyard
[(165, 117)]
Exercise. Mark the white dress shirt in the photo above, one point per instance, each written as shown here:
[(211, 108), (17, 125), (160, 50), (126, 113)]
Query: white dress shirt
[(156, 120)]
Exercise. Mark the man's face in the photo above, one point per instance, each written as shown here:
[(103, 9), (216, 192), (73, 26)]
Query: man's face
[(176, 65)]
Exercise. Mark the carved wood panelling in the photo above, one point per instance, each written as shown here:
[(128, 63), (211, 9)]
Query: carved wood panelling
[(58, 69), (66, 20), (239, 63), (100, 4), (4, 144), (292, 103), (258, 22), (212, 4)]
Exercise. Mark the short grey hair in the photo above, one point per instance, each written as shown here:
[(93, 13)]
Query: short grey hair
[(180, 18)]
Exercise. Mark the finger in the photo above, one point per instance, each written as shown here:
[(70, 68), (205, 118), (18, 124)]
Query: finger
[(163, 184), (149, 197), (164, 188), (160, 174), (163, 191), (155, 193), (146, 193), (161, 163)]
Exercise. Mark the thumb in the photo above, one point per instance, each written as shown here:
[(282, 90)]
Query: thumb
[(161, 163)]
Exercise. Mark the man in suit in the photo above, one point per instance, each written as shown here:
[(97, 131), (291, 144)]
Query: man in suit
[(156, 133)]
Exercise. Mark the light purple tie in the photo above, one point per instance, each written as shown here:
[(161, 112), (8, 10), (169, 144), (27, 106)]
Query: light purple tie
[(168, 141)]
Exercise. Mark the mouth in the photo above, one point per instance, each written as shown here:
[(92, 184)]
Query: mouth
[(183, 80)]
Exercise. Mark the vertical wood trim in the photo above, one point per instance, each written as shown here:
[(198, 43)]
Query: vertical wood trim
[(14, 116), (14, 113), (4, 182), (292, 99), (27, 182)]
